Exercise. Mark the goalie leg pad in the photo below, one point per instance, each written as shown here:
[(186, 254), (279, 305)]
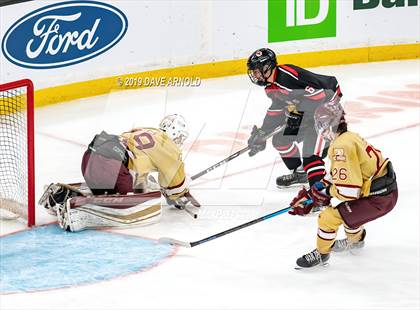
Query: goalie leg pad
[(120, 211)]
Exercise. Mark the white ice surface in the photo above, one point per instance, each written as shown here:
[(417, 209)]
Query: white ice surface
[(251, 268)]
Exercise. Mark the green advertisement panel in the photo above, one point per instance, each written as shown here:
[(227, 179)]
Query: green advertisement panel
[(290, 20)]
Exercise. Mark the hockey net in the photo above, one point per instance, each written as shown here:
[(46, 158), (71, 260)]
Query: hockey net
[(17, 194)]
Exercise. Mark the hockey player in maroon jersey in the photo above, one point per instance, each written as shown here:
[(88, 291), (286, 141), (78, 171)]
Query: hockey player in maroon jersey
[(295, 93), (361, 178)]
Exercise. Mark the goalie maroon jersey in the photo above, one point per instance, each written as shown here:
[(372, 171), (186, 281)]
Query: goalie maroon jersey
[(296, 89)]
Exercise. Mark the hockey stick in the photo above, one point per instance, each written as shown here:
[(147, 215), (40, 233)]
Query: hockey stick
[(220, 234), (234, 155), (194, 215)]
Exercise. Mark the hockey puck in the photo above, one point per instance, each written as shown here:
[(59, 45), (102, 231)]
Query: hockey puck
[(195, 216)]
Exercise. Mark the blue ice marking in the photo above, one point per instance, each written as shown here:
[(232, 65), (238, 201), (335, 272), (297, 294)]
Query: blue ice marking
[(48, 258)]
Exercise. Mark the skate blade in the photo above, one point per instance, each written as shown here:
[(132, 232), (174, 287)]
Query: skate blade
[(350, 250), (355, 251), (323, 265), (291, 185)]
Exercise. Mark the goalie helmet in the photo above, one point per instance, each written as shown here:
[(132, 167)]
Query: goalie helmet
[(175, 127), (328, 118), (260, 66)]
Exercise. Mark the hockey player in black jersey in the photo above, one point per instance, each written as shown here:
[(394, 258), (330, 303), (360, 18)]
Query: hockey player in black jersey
[(295, 94)]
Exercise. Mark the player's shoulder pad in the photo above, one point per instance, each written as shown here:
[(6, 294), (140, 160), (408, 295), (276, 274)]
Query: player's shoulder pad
[(289, 69), (290, 76), (275, 92), (346, 142)]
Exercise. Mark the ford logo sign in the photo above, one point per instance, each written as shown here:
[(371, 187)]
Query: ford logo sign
[(64, 34)]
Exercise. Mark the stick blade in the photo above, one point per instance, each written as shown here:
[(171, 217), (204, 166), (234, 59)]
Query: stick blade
[(171, 241)]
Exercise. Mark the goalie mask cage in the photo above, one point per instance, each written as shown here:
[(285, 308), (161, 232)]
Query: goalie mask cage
[(17, 177)]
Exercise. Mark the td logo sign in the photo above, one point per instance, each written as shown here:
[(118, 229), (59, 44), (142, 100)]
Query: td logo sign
[(290, 20)]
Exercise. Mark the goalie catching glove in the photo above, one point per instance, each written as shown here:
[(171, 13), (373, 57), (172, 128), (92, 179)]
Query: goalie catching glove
[(256, 142), (310, 201), (56, 194)]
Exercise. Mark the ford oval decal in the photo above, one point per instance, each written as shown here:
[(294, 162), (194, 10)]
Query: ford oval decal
[(64, 34)]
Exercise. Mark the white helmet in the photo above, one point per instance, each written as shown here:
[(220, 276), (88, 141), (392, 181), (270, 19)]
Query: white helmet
[(175, 127)]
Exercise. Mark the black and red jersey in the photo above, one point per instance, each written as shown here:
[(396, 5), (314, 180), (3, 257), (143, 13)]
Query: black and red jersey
[(301, 88)]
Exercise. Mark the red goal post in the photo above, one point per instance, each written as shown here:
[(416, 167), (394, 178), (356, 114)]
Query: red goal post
[(17, 158)]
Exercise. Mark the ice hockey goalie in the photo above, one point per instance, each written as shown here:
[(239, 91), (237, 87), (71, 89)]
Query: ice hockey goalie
[(120, 190)]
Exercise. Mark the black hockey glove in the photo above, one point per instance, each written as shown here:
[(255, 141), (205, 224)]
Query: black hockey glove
[(256, 142)]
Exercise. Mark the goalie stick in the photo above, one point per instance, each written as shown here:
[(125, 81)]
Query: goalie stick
[(192, 213), (220, 234), (234, 155)]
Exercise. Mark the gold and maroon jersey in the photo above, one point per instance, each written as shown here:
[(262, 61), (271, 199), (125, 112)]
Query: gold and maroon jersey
[(354, 164), (152, 150)]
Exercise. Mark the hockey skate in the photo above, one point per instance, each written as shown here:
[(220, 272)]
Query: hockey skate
[(312, 259), (346, 245), (296, 178)]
